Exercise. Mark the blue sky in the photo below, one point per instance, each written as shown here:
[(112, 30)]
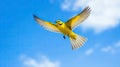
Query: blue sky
[(23, 43)]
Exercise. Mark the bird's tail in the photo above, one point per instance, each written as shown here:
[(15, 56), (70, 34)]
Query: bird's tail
[(77, 41)]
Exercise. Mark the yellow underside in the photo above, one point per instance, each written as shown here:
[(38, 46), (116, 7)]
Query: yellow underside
[(66, 31)]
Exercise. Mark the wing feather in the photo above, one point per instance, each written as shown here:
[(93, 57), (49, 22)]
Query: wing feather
[(76, 20), (47, 25)]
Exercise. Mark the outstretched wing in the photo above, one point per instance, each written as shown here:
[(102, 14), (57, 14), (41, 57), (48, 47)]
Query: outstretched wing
[(47, 25), (76, 20)]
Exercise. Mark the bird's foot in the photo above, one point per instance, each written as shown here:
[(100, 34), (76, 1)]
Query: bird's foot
[(64, 37)]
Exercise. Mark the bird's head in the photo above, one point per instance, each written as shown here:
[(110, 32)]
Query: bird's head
[(59, 22)]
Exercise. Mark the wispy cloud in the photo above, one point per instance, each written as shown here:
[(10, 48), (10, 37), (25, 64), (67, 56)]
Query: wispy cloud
[(107, 49), (111, 49), (66, 5), (73, 5), (89, 51), (117, 44), (42, 62), (105, 13)]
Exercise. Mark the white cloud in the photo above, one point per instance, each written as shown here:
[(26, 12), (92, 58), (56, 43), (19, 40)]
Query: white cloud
[(108, 49), (43, 62), (111, 49), (89, 52), (73, 5), (105, 13), (66, 5), (79, 3), (117, 44)]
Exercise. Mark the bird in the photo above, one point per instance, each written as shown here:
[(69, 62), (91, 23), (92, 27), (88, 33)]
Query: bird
[(66, 28)]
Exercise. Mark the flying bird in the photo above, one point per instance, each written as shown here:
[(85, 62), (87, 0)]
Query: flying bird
[(67, 27)]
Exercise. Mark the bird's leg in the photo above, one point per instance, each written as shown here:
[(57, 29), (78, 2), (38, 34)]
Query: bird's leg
[(64, 37)]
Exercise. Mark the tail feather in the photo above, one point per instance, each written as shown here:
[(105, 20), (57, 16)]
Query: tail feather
[(77, 42)]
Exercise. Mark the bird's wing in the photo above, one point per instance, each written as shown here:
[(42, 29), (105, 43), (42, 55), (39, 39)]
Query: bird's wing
[(47, 25), (76, 20)]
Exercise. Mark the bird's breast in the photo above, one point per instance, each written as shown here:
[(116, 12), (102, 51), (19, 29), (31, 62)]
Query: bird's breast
[(65, 30)]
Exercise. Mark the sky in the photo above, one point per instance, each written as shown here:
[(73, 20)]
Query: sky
[(24, 43)]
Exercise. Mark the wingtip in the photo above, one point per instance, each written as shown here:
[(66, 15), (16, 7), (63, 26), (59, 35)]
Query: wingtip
[(88, 8), (35, 16)]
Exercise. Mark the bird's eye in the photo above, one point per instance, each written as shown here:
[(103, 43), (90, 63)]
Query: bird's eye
[(60, 24)]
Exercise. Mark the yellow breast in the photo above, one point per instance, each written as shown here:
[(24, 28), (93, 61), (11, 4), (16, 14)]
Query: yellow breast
[(64, 29)]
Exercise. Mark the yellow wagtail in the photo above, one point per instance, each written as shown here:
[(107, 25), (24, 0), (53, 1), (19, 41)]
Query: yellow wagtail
[(66, 28)]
